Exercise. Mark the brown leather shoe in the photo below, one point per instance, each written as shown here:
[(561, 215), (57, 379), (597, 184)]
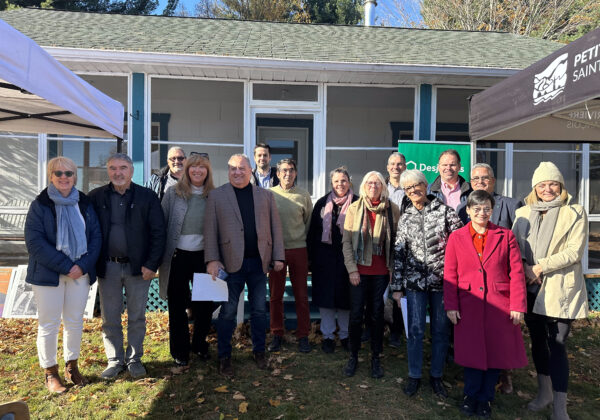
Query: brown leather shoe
[(506, 385), (261, 361), (53, 381), (72, 373), (225, 367)]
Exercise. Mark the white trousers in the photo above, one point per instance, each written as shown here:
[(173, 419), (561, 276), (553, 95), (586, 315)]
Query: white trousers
[(67, 301), (328, 322)]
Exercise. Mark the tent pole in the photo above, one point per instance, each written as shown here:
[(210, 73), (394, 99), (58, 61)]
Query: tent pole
[(119, 145)]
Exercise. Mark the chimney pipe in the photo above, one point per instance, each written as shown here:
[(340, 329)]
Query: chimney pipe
[(370, 12)]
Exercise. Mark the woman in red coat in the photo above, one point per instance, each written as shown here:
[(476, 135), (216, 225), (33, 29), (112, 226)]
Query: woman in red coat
[(485, 299)]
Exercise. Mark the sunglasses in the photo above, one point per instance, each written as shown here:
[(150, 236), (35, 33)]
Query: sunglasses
[(177, 158), (205, 155), (68, 174)]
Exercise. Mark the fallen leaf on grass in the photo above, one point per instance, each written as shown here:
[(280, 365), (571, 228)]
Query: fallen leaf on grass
[(178, 409), (256, 383), (238, 396), (532, 373), (279, 417), (288, 377), (222, 389), (399, 380), (523, 395), (363, 386), (200, 400), (178, 370), (276, 372), (274, 403), (243, 408)]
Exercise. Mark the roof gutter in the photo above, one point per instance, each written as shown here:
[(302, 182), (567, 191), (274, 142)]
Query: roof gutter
[(190, 60)]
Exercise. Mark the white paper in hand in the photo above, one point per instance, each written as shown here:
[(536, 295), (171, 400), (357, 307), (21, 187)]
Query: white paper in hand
[(207, 289)]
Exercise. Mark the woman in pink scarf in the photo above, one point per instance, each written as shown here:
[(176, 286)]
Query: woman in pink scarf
[(330, 285)]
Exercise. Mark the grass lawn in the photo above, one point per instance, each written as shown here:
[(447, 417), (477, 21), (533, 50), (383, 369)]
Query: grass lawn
[(297, 386)]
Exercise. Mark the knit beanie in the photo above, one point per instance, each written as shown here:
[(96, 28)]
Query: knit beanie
[(547, 171)]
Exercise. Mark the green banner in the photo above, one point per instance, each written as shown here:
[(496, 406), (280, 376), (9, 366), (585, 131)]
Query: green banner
[(424, 155)]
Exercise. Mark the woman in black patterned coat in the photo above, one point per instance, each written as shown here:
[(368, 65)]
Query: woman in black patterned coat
[(422, 235)]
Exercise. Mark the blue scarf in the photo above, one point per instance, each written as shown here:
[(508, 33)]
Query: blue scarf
[(70, 227)]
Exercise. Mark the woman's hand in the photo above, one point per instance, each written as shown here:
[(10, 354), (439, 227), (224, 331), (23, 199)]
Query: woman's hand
[(530, 275), (537, 271), (354, 278), (454, 316), (397, 296), (75, 272), (516, 317)]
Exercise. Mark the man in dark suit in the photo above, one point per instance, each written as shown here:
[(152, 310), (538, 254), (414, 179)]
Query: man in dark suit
[(482, 178), (243, 236)]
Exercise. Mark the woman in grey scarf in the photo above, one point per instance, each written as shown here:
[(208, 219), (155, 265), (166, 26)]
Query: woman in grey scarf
[(552, 234), (63, 239)]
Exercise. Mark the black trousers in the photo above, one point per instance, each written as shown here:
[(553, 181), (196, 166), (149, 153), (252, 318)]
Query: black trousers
[(183, 266), (369, 292), (549, 345)]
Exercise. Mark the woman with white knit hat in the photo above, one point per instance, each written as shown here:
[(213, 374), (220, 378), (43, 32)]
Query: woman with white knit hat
[(552, 234)]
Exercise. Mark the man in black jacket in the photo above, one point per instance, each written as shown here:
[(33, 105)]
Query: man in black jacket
[(133, 240), (168, 175)]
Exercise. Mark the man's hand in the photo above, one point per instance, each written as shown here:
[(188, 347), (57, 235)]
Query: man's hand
[(454, 316), (212, 268), (75, 272), (278, 265), (397, 296), (354, 278), (516, 317), (147, 274)]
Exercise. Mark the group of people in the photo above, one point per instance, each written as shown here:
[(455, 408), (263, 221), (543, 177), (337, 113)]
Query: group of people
[(479, 262)]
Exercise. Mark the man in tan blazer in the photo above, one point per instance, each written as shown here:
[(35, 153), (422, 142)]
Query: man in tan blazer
[(243, 236)]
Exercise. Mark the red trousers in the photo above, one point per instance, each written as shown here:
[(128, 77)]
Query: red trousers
[(297, 261)]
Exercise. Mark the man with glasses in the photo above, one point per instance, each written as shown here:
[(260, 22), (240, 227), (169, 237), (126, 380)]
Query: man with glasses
[(295, 209), (451, 188), (503, 214), (167, 176), (133, 241), (263, 175)]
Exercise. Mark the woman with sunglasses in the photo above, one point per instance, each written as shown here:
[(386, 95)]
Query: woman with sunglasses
[(63, 239), (484, 297), (183, 207)]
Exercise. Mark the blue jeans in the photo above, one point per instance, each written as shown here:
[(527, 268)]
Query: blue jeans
[(251, 274), (481, 384), (111, 305), (440, 332)]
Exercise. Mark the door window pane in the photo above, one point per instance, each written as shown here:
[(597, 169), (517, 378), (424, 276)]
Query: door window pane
[(276, 92), (452, 114), (18, 169)]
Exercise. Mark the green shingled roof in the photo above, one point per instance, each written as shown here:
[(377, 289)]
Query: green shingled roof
[(322, 43)]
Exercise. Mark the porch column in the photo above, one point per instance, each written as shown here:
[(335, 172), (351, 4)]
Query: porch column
[(425, 100), (136, 134)]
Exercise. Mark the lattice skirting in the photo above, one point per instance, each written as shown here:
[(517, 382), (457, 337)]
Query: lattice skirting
[(593, 290)]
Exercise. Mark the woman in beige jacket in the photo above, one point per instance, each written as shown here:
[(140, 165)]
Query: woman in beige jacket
[(552, 235)]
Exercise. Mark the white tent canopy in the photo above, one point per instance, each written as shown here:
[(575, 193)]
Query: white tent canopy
[(40, 95)]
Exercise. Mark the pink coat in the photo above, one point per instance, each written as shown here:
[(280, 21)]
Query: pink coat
[(484, 292)]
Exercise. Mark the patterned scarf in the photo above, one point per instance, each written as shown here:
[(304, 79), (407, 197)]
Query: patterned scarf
[(343, 202), (70, 226), (368, 242)]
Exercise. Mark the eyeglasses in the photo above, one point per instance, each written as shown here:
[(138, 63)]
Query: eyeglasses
[(205, 155), (486, 210), (177, 158), (374, 184), (68, 174), (411, 187), (481, 178)]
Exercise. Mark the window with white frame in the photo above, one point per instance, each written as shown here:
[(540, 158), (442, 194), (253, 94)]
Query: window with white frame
[(364, 125), (204, 116), (452, 113)]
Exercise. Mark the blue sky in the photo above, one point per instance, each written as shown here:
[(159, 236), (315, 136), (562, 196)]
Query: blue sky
[(384, 8)]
